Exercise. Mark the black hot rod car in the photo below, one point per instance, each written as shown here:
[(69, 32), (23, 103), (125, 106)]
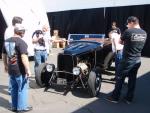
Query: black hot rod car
[(79, 65)]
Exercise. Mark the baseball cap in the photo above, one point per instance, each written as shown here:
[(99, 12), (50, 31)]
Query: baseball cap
[(19, 27)]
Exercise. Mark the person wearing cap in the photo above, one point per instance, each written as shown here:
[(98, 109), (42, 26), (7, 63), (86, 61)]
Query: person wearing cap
[(16, 63), (134, 39), (9, 32)]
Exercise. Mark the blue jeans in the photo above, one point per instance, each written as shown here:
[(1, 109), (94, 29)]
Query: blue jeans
[(40, 57), (9, 86), (19, 92), (126, 69), (118, 57)]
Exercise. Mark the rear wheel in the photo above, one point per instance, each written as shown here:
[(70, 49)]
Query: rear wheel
[(94, 82), (42, 76)]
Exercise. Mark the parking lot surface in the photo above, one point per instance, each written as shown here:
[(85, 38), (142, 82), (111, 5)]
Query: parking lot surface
[(78, 100)]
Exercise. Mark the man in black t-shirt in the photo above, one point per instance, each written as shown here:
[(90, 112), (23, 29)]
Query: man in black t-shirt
[(14, 47), (16, 63), (134, 39)]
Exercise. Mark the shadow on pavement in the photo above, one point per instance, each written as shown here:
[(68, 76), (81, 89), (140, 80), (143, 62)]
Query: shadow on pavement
[(111, 68), (4, 89), (80, 92), (106, 72), (141, 103), (4, 103), (108, 81), (33, 84)]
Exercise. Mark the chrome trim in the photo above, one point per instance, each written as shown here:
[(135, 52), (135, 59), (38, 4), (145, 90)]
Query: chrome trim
[(63, 72)]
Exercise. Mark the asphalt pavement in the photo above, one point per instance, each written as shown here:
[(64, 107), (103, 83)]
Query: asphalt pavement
[(78, 100)]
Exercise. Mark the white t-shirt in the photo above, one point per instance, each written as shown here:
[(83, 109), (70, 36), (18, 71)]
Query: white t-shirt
[(115, 38), (46, 38)]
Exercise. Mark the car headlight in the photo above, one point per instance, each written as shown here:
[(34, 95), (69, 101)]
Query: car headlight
[(76, 70), (50, 67)]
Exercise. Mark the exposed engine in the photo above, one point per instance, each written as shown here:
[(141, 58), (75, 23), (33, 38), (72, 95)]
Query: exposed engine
[(85, 62), (84, 68)]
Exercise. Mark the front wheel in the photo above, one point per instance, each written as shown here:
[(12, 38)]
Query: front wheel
[(94, 82), (42, 76)]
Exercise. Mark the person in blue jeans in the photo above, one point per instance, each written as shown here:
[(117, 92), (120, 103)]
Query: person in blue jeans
[(19, 92), (117, 47), (118, 58), (40, 57), (16, 63), (40, 48), (134, 39), (9, 32)]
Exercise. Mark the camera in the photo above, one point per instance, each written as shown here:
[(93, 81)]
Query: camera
[(41, 42)]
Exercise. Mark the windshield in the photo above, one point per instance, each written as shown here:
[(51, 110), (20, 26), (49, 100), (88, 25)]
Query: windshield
[(86, 37), (83, 36)]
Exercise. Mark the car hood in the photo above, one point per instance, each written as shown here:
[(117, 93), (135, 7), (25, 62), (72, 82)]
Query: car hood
[(77, 47)]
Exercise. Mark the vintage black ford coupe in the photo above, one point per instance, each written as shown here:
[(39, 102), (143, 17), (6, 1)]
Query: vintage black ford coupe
[(79, 65)]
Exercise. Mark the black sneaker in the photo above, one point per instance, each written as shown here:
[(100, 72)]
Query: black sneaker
[(127, 100), (113, 100), (46, 88), (12, 109)]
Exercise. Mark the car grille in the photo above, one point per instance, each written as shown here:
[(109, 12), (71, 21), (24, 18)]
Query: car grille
[(66, 64)]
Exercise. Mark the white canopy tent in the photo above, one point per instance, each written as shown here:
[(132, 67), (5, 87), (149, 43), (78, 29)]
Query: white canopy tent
[(62, 5)]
